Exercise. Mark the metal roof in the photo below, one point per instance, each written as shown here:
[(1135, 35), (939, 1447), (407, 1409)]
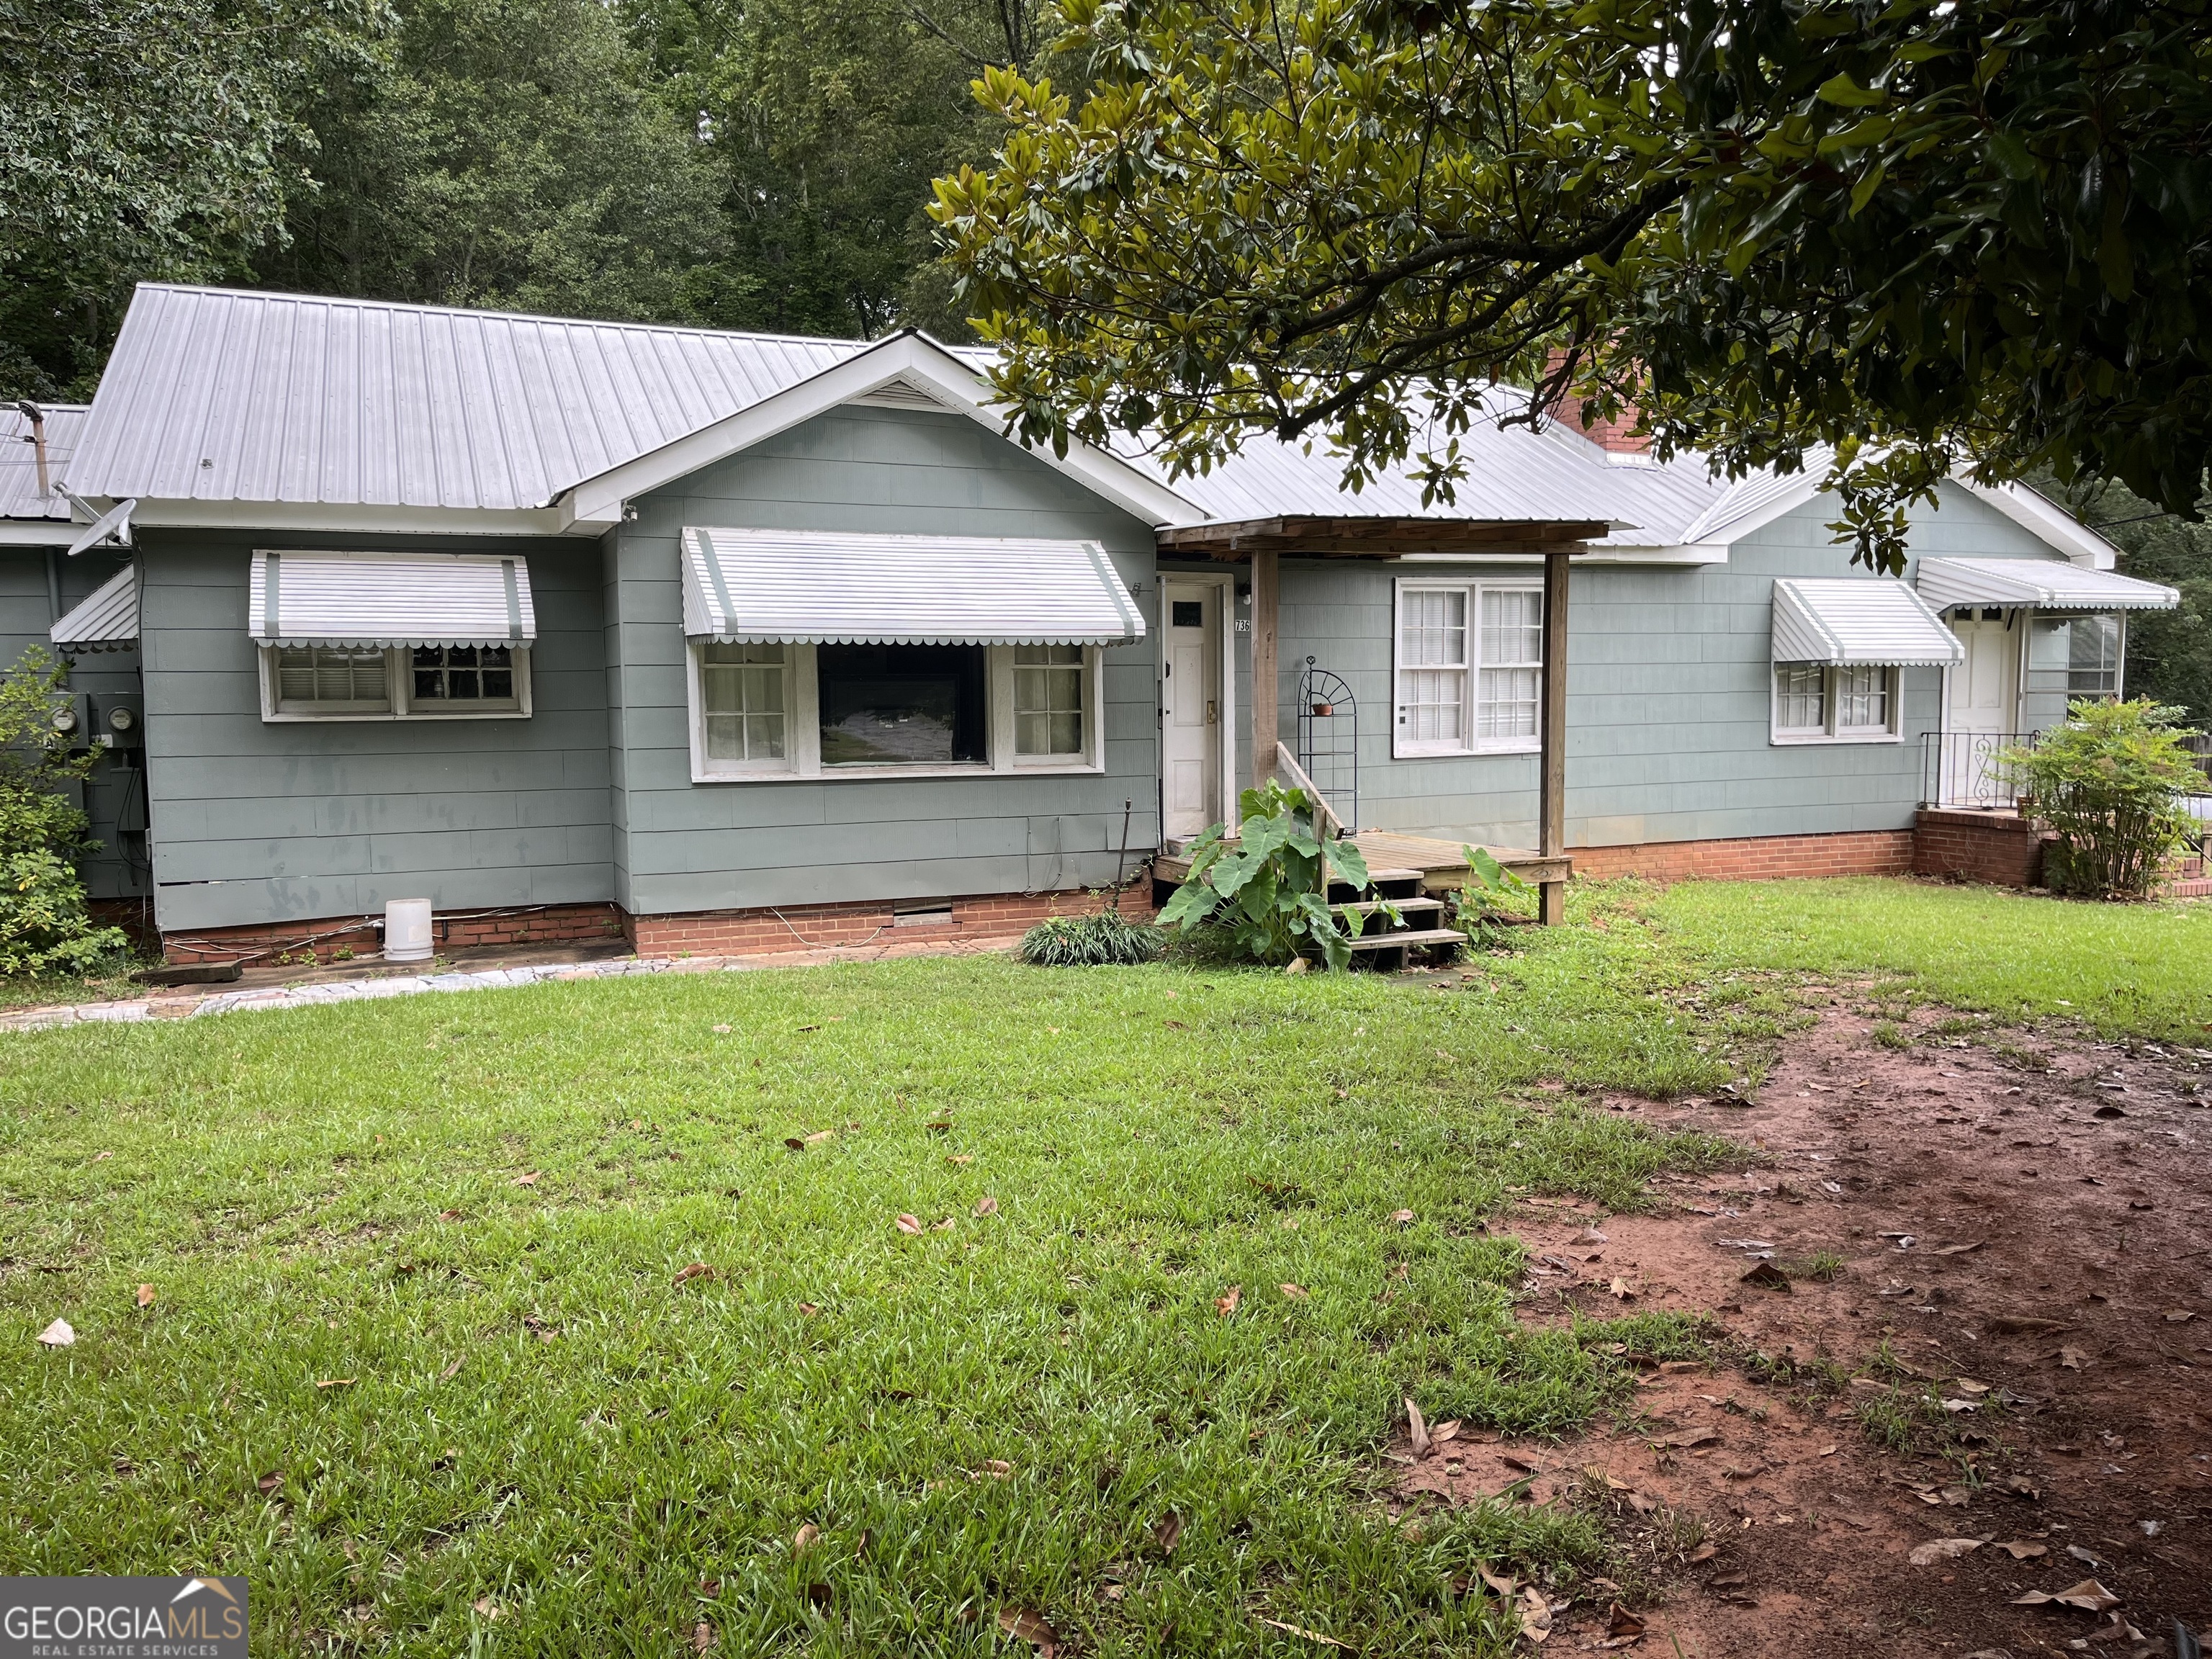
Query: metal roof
[(819, 588), (217, 395), (106, 619), (1869, 620), (390, 600), (18, 461), (2045, 583)]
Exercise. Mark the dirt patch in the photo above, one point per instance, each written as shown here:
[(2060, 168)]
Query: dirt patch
[(2015, 1348)]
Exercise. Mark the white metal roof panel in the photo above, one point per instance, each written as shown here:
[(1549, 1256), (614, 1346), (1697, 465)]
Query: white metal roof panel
[(218, 395), (1868, 620), (106, 619), (390, 600), (18, 461), (819, 588), (2046, 584)]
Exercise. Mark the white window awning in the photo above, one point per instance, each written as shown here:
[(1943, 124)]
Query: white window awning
[(825, 587), (106, 619), (373, 599), (2046, 584), (1873, 621)]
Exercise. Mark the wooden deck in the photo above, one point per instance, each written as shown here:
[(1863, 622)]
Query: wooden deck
[(1438, 863)]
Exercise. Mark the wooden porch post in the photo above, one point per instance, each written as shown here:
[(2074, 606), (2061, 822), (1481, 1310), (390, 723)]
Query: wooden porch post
[(1552, 786), (1264, 726)]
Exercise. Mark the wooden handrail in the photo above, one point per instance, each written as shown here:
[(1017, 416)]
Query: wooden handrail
[(1288, 764)]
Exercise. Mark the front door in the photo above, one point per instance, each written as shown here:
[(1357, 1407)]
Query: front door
[(1190, 708), (1984, 698)]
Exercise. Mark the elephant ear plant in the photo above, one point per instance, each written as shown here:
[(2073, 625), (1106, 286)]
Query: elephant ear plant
[(1267, 890)]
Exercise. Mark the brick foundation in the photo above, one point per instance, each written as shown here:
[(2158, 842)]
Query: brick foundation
[(1755, 858), (459, 930), (2002, 848), (815, 926)]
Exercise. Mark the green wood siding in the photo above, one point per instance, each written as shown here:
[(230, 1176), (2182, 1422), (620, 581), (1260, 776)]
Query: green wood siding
[(1667, 702), (256, 822), (682, 846)]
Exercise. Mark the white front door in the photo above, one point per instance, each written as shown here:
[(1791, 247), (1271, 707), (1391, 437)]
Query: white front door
[(1190, 706), (1984, 698)]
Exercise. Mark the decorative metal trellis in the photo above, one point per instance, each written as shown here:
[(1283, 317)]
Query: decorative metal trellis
[(1328, 740)]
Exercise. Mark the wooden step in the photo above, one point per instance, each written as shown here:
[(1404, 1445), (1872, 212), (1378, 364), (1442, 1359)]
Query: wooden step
[(1369, 907), (1418, 939)]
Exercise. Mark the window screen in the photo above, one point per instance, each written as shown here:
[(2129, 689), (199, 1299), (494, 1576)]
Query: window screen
[(901, 705), (1048, 698), (332, 678), (742, 687)]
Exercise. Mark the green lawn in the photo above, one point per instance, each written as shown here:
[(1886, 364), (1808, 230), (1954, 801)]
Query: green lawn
[(987, 1417)]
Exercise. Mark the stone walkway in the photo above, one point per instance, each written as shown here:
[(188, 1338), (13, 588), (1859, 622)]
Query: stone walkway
[(193, 1005)]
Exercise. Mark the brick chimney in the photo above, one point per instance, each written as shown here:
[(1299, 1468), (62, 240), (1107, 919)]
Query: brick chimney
[(1615, 437)]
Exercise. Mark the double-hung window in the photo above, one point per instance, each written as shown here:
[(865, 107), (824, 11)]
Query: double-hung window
[(1814, 703), (1470, 677)]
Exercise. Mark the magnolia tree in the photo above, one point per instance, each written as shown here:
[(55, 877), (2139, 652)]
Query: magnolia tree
[(1895, 239)]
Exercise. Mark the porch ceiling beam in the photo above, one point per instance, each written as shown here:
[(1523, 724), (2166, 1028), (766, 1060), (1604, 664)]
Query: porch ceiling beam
[(1374, 538)]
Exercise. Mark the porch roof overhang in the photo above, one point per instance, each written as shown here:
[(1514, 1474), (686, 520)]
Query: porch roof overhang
[(1381, 537), (2046, 584)]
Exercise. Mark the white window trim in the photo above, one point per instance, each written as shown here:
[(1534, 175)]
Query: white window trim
[(1829, 734), (802, 761), (1470, 720), (399, 676)]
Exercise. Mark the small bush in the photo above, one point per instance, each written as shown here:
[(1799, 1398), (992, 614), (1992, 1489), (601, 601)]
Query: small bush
[(2111, 782), (44, 927), (1104, 940)]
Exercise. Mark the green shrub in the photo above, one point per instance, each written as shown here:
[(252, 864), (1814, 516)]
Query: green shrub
[(2109, 781), (1107, 939), (1267, 890), (44, 927)]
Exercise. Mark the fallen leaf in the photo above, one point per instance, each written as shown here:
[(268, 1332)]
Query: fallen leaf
[(1958, 1249), (810, 1028), (1620, 1288), (2173, 1315), (1705, 1552), (1943, 1549), (1402, 1217), (1227, 1304), (2071, 1358), (272, 1480), (2027, 1325), (943, 1125), (909, 1225), (1504, 1584), (1300, 1630), (1296, 1292), (486, 1606), (819, 1136), (2087, 1558), (1643, 1503), (1535, 1615), (2023, 1549), (450, 1371), (696, 1270), (986, 1205), (1440, 1432), (1031, 1627), (528, 1180), (1622, 1625), (1766, 1275), (1167, 1529), (806, 1539), (957, 1158), (702, 1633), (808, 1309), (1687, 1438), (336, 1382), (57, 1335), (146, 1296), (1417, 1431), (1827, 1451), (1728, 1580), (795, 1142), (998, 1469), (944, 1226), (2089, 1596)]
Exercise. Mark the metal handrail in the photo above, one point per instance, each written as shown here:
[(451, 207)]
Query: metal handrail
[(1966, 768)]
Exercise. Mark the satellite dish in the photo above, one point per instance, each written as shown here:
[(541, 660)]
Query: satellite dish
[(112, 524)]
